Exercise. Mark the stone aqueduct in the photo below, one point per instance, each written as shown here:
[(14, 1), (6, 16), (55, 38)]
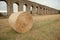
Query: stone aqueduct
[(36, 8)]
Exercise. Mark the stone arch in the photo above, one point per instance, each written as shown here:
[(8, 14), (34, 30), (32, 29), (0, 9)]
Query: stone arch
[(24, 7), (3, 7), (31, 9), (46, 10), (40, 7), (37, 10), (43, 11), (43, 8), (15, 7)]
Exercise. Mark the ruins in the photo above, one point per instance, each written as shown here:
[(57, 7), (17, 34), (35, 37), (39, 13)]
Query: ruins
[(36, 8)]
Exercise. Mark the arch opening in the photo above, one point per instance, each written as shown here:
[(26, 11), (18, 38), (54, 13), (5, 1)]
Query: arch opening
[(3, 8), (31, 8), (15, 7), (36, 9), (40, 7), (43, 8), (24, 7)]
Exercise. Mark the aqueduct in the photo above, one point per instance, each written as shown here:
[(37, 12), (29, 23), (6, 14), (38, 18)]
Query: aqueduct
[(32, 7)]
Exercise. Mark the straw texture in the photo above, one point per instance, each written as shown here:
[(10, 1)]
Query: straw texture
[(21, 21)]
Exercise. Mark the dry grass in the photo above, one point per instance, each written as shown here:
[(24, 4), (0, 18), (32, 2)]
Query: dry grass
[(44, 28)]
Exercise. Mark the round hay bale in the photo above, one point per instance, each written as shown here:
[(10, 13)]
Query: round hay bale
[(21, 21)]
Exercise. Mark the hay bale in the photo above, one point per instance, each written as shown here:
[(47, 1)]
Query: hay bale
[(21, 21)]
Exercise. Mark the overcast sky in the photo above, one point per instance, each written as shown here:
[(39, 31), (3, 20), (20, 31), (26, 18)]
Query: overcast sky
[(51, 3)]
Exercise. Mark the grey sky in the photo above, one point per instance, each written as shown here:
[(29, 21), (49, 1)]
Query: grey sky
[(3, 6), (51, 3)]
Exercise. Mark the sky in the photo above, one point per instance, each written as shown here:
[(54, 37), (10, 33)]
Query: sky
[(51, 3)]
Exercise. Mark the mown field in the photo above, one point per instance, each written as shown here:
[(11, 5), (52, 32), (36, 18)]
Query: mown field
[(45, 27)]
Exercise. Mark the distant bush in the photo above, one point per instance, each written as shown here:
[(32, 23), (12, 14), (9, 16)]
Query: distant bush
[(1, 14)]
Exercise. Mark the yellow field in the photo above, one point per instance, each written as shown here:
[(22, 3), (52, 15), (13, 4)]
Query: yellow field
[(45, 27)]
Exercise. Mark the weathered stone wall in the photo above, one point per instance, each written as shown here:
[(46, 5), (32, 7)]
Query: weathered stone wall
[(37, 9)]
